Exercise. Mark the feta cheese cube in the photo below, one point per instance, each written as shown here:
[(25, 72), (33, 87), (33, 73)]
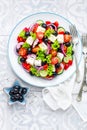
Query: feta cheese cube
[(30, 60), (37, 62), (30, 40), (52, 38), (60, 55), (60, 38), (43, 46), (40, 29)]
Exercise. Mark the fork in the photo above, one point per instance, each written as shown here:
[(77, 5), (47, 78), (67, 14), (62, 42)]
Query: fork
[(84, 41), (84, 84), (75, 40)]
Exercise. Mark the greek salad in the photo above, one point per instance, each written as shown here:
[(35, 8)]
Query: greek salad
[(45, 49)]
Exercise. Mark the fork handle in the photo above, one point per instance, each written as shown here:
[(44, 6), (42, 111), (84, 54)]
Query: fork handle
[(79, 97), (85, 69), (78, 78)]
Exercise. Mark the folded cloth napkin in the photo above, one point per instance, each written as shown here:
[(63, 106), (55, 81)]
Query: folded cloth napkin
[(60, 96)]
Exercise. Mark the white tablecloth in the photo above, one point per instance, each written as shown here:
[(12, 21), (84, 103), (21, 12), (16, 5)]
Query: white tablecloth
[(36, 115)]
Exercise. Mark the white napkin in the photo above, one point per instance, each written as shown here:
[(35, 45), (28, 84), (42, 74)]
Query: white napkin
[(59, 96)]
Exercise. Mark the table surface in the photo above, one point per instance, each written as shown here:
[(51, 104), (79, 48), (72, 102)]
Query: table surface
[(36, 115)]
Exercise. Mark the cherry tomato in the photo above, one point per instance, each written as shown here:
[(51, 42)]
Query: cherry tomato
[(62, 32), (39, 35), (53, 52), (26, 29), (35, 27), (54, 60), (65, 49), (70, 62), (22, 51), (20, 39), (67, 38), (56, 23), (48, 22), (45, 67), (35, 49), (26, 66), (40, 40), (66, 66), (49, 77)]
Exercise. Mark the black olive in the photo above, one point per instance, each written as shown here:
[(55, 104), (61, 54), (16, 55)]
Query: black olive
[(55, 33), (24, 90), (67, 44), (27, 34), (53, 27), (66, 32), (17, 96), (54, 73), (72, 52), (59, 50), (57, 65), (43, 63), (31, 73), (11, 93), (29, 51), (22, 59), (21, 98), (12, 98), (45, 39), (44, 25)]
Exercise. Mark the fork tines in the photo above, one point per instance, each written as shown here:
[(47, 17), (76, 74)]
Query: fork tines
[(73, 30), (84, 38)]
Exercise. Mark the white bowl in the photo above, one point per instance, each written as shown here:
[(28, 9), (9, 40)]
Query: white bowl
[(19, 71)]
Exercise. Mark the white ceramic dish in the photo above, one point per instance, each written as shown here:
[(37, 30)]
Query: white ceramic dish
[(19, 71)]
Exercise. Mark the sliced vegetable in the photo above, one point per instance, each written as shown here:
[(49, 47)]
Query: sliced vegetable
[(54, 60), (35, 49), (60, 69), (39, 22), (22, 51), (53, 52), (19, 57), (26, 66), (39, 35), (55, 45), (67, 38), (61, 30), (26, 45), (43, 73), (48, 22), (67, 58), (56, 24)]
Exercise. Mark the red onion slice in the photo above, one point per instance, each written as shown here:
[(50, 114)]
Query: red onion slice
[(49, 48), (51, 26), (19, 45), (32, 55), (40, 68), (62, 48), (35, 43)]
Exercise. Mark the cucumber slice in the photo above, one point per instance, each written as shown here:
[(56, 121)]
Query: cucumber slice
[(61, 29), (43, 73), (39, 21), (60, 69), (19, 57), (67, 58)]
